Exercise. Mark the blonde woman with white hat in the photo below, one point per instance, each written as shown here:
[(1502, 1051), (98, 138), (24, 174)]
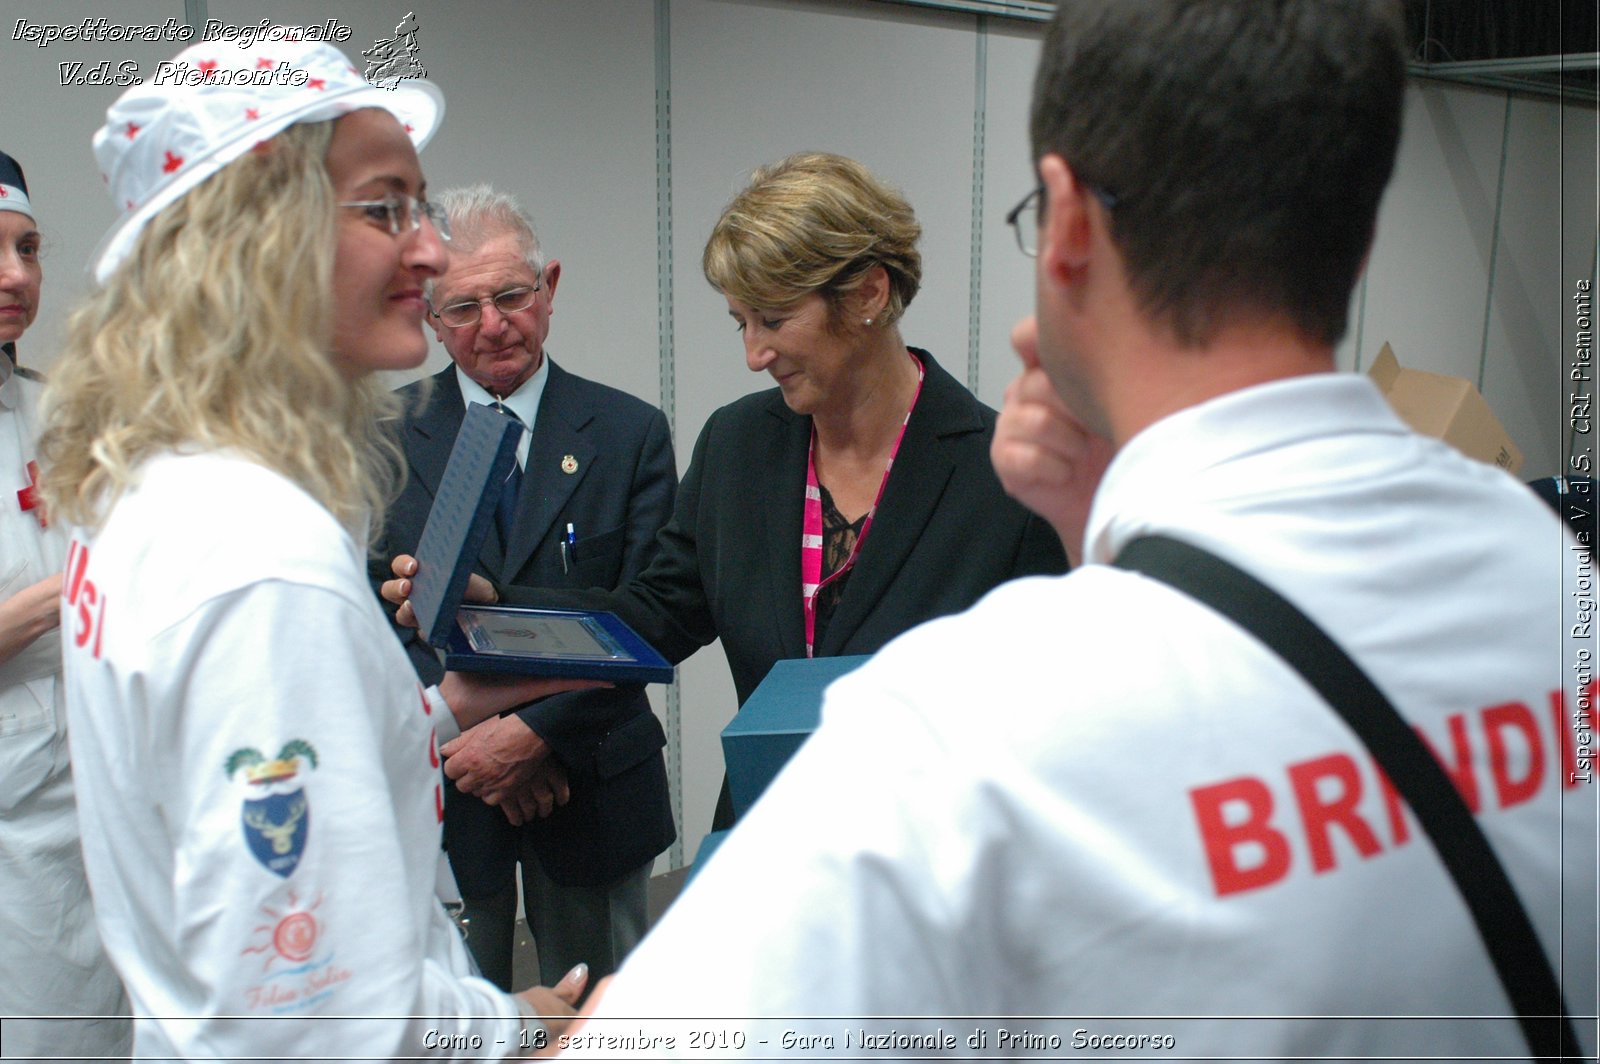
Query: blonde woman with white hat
[(51, 962), (257, 766)]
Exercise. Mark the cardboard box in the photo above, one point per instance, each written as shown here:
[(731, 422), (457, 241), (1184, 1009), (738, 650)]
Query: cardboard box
[(1447, 408), (780, 714)]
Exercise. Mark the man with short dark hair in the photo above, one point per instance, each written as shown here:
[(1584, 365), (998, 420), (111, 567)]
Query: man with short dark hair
[(1091, 795), (573, 787)]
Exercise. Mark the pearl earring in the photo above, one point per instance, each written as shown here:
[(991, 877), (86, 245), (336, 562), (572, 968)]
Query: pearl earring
[(867, 322)]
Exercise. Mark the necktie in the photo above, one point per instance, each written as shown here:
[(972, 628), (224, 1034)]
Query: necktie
[(505, 513)]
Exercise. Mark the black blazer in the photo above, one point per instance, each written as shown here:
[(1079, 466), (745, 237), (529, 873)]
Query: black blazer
[(729, 562), (620, 814)]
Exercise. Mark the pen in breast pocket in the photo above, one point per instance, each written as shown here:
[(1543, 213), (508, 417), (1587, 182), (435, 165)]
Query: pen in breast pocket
[(569, 549)]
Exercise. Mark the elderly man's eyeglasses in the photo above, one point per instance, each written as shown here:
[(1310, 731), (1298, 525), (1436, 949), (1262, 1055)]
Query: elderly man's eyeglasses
[(1024, 217), (467, 312), (404, 214)]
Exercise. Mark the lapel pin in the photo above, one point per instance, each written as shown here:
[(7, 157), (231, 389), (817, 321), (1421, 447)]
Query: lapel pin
[(569, 464)]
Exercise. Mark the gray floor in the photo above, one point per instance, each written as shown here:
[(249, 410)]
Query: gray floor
[(525, 955)]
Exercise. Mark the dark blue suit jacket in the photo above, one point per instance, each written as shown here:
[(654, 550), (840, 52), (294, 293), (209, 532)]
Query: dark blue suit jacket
[(609, 741)]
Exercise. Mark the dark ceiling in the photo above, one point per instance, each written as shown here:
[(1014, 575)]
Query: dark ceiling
[(1548, 47), (1543, 47)]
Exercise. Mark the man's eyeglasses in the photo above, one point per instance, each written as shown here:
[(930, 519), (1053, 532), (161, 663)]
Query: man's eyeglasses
[(1024, 217), (467, 312), (404, 214)]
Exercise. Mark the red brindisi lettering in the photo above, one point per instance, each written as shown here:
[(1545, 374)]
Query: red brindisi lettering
[(1518, 718), (81, 593), (1254, 830), (433, 757), (77, 560), (1245, 850), (1318, 815)]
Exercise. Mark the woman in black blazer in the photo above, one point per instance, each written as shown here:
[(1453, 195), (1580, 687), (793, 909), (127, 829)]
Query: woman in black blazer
[(855, 500)]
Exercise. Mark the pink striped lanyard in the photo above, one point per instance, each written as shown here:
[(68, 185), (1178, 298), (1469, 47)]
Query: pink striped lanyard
[(811, 580)]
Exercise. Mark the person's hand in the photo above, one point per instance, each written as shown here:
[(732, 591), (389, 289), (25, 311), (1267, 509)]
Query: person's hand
[(500, 753), (29, 614), (556, 1005), (397, 592), (544, 793), (572, 1024), (474, 697), (1046, 459)]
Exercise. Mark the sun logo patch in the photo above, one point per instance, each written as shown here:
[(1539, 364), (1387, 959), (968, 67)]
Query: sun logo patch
[(288, 936), (298, 971), (275, 815)]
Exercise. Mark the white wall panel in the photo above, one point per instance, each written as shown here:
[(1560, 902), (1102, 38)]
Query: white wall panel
[(1522, 370), (1485, 184), (1008, 174), (1580, 211), (1429, 269)]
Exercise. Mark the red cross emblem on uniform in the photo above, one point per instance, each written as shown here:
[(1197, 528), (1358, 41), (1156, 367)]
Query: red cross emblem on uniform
[(28, 497)]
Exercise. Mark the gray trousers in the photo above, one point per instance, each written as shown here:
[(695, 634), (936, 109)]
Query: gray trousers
[(596, 925)]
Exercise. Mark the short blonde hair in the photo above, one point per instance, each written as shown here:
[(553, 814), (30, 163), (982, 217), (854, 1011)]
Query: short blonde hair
[(814, 223), (218, 331)]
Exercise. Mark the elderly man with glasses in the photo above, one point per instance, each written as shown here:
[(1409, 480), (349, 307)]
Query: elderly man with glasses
[(572, 788)]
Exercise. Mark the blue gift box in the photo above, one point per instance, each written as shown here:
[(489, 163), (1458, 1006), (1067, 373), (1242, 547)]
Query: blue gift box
[(708, 846), (777, 717)]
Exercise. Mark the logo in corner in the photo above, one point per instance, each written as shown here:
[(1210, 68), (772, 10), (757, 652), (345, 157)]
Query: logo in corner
[(275, 815), (392, 61)]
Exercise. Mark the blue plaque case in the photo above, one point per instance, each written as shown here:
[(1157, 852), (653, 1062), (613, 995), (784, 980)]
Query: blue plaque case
[(457, 524)]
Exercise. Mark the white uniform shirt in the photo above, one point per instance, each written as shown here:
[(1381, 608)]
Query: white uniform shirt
[(259, 780), (1089, 797), (51, 962)]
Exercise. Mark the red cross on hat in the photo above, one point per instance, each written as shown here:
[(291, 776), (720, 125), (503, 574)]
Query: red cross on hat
[(196, 127)]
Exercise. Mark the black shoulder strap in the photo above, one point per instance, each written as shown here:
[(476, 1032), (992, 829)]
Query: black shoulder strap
[(1502, 922)]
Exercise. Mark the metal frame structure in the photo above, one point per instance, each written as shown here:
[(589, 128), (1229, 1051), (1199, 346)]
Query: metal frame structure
[(1569, 77)]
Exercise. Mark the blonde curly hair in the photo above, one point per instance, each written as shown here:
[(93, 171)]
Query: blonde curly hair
[(217, 333)]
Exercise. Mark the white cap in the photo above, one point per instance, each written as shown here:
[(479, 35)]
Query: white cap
[(13, 187), (212, 103)]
